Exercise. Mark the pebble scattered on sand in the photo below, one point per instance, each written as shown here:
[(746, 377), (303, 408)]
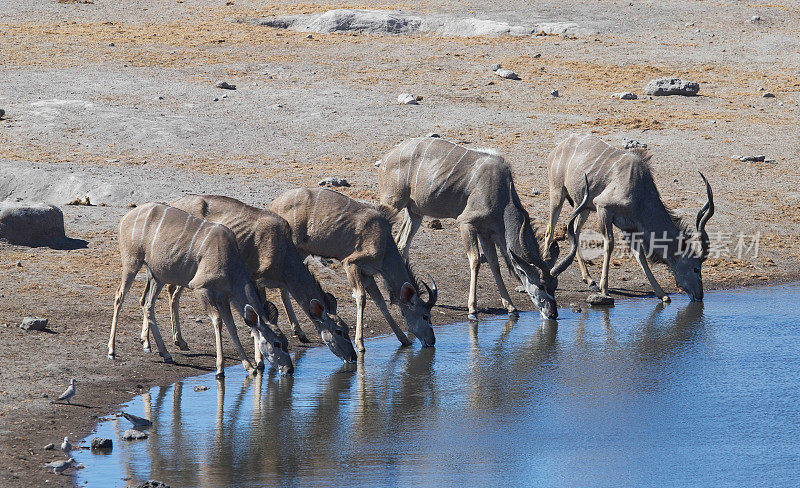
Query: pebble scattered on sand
[(225, 85), (334, 181), (33, 323), (535, 192), (671, 86), (633, 144), (435, 224), (768, 95), (408, 99), (625, 95), (554, 93), (507, 74)]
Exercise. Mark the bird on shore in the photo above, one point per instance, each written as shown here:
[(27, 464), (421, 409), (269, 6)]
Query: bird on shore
[(60, 466), (66, 446), (139, 423), (69, 392)]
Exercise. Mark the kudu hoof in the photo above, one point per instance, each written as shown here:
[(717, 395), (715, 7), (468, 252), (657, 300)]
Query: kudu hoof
[(111, 355), (513, 313), (301, 336), (220, 375), (146, 349), (182, 345), (482, 258), (473, 317), (593, 287), (168, 360), (666, 299)]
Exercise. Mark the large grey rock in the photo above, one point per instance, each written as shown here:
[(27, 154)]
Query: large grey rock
[(133, 434), (102, 444), (33, 323), (672, 86), (334, 181), (31, 224), (599, 300), (507, 74), (389, 22), (153, 484)]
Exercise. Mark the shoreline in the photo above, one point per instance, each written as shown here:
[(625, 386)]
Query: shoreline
[(91, 407)]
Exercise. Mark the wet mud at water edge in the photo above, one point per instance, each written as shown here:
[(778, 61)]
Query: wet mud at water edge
[(643, 394)]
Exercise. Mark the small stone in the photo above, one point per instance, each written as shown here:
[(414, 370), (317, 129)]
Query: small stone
[(160, 98), (433, 134), (131, 205), (100, 443), (309, 36), (216, 99), (198, 320), (690, 24), (153, 484), (754, 19), (599, 300), (537, 55), (334, 181), (554, 93), (768, 95), (496, 67), (225, 85), (2, 112), (200, 388), (671, 86), (625, 95), (133, 435), (81, 201), (407, 99), (752, 159), (19, 264), (110, 44), (49, 447), (535, 192), (435, 224), (633, 144), (507, 74), (33, 323)]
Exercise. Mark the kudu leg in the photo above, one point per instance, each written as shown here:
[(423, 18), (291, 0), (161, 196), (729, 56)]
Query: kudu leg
[(353, 276), (470, 236), (641, 258), (556, 202), (128, 276), (295, 324), (174, 293), (227, 319), (144, 337), (587, 278), (375, 293), (608, 246), (149, 310), (490, 252)]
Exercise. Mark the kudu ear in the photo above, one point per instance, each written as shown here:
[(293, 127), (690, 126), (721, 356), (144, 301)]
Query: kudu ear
[(330, 303), (317, 309), (250, 316), (407, 292), (272, 312)]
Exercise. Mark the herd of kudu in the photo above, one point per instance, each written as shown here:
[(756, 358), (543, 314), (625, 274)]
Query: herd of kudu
[(228, 252)]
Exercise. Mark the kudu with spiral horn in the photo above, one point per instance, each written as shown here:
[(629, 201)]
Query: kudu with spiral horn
[(623, 192)]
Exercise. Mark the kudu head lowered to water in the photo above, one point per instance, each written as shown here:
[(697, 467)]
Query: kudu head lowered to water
[(271, 341), (416, 311), (539, 276), (686, 262)]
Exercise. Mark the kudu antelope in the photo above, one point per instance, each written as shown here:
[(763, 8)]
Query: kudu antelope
[(179, 249), (623, 193), (434, 177), (329, 224), (265, 243)]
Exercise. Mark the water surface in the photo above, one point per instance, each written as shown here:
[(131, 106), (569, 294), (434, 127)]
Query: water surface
[(643, 394)]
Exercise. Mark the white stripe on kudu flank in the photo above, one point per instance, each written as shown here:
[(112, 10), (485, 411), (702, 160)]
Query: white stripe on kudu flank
[(158, 228), (180, 237), (410, 157), (208, 234), (191, 244), (441, 187), (416, 179), (475, 170), (144, 227), (311, 217), (420, 162)]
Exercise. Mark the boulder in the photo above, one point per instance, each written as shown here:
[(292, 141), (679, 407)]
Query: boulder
[(624, 95), (600, 300), (31, 224), (33, 323), (671, 86), (133, 434), (102, 444)]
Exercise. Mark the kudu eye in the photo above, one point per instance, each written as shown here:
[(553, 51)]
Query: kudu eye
[(277, 344)]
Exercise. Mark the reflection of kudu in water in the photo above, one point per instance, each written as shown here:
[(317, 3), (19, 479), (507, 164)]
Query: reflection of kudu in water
[(623, 193), (179, 249), (265, 243), (433, 177), (329, 224)]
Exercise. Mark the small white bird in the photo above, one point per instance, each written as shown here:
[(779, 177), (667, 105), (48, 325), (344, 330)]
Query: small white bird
[(60, 466), (66, 446), (69, 392), (139, 423)]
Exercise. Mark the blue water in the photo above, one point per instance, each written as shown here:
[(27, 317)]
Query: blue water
[(643, 394)]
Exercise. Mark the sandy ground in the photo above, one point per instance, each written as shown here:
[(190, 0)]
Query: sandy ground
[(115, 100)]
